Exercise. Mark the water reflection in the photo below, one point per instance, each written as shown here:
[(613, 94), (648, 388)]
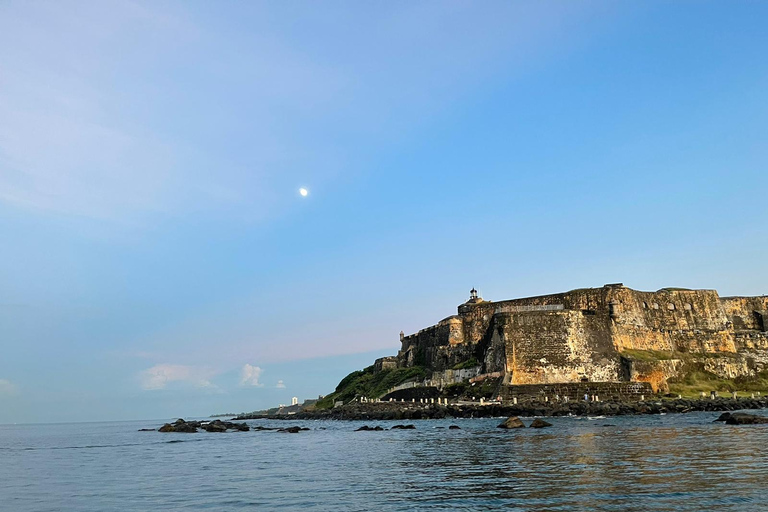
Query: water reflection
[(640, 464), (649, 463)]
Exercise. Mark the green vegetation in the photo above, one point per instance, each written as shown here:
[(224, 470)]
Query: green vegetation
[(697, 381), (455, 390), (371, 384), (469, 363), (648, 355), (658, 355)]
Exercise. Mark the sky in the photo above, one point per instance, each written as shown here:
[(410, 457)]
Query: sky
[(157, 259)]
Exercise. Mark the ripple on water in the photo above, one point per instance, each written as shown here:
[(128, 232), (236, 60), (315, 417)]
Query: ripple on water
[(650, 463)]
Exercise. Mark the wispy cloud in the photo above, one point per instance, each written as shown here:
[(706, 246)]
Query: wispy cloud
[(280, 385), (160, 375), (249, 376), (7, 388)]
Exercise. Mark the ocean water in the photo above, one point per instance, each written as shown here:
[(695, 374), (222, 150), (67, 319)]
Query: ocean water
[(670, 462)]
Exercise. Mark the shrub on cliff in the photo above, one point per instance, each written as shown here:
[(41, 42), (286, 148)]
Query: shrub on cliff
[(469, 363)]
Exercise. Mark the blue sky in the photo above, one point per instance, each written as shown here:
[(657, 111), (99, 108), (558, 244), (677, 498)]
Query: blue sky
[(159, 261)]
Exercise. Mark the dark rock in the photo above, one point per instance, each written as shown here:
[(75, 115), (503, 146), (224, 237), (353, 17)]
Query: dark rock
[(179, 426), (723, 417), (146, 430), (512, 422), (187, 428), (741, 418), (539, 423), (291, 430), (454, 427), (366, 428), (214, 427), (404, 427)]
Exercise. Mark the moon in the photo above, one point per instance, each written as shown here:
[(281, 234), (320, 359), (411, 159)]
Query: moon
[(304, 192)]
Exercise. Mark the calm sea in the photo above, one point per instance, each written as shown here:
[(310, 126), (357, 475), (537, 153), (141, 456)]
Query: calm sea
[(672, 462)]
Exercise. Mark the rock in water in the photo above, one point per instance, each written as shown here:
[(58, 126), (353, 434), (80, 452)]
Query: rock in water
[(538, 423), (404, 427), (179, 426), (454, 427), (741, 418), (512, 422), (724, 416), (186, 428), (215, 427)]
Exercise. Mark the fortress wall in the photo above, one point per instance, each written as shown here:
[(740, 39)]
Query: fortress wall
[(655, 373), (495, 356), (559, 346), (630, 337), (476, 320), (581, 299), (439, 347), (752, 342), (741, 312), (670, 320), (586, 338), (670, 309)]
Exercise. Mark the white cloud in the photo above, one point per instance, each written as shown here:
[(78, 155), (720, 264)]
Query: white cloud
[(160, 375), (7, 387), (250, 376), (280, 385)]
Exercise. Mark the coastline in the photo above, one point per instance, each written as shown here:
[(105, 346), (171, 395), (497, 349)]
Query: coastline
[(414, 411)]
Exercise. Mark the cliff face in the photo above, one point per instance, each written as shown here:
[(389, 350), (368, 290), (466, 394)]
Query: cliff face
[(608, 334)]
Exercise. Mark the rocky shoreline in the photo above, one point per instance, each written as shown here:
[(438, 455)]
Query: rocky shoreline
[(408, 411)]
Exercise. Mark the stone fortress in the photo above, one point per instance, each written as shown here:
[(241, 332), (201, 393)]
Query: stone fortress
[(611, 334)]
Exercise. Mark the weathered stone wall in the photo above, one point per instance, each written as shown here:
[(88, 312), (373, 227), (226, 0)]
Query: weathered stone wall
[(588, 299), (385, 363), (557, 346), (670, 320), (655, 373), (476, 319), (747, 312), (438, 348), (752, 342), (447, 377)]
